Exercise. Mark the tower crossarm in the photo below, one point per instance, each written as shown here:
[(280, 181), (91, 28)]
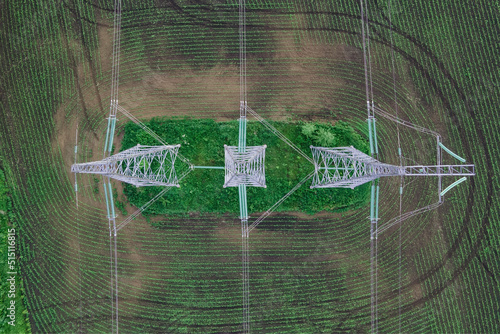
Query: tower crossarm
[(442, 170), (96, 167)]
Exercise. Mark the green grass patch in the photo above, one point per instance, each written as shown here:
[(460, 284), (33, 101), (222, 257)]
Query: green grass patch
[(202, 142)]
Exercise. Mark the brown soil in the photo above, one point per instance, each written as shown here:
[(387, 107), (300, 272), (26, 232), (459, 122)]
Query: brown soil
[(214, 83), (65, 139)]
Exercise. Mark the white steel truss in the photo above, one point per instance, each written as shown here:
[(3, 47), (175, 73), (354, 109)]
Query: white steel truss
[(346, 167), (443, 170), (140, 165), (245, 168)]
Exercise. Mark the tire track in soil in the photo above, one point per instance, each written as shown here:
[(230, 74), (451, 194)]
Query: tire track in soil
[(78, 17), (74, 67), (465, 231)]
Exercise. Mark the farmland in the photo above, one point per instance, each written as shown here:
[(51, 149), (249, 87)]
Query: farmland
[(434, 64)]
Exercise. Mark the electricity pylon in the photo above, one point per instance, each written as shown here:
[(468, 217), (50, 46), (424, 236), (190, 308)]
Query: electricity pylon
[(140, 166), (245, 167), (347, 167)]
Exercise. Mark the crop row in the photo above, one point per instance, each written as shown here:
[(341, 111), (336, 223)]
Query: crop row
[(165, 274)]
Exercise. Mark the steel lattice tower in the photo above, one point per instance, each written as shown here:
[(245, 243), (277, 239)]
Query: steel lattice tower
[(347, 167), (245, 167), (140, 165)]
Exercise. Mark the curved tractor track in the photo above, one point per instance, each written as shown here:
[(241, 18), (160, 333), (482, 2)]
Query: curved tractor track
[(379, 26)]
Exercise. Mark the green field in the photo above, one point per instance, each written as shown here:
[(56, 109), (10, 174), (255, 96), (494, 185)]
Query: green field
[(434, 63), (12, 296)]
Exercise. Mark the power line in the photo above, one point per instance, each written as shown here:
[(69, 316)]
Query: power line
[(245, 275), (363, 38), (279, 134), (406, 215), (278, 203), (149, 203), (150, 132)]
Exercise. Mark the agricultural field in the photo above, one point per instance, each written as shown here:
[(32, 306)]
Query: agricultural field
[(434, 63)]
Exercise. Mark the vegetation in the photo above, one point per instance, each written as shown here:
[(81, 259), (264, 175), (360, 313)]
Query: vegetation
[(21, 324), (120, 205), (95, 188), (202, 142)]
